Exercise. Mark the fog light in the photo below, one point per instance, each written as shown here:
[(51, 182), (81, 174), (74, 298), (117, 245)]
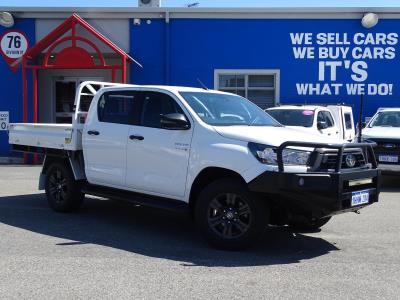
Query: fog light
[(301, 181)]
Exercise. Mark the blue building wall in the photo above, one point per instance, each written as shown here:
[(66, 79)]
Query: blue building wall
[(186, 49), (11, 83)]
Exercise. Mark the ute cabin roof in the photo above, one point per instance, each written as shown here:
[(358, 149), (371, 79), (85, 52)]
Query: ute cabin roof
[(389, 109), (303, 107), (307, 106), (175, 89)]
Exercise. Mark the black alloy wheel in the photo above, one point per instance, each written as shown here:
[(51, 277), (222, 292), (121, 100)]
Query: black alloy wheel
[(62, 190), (58, 187), (229, 216)]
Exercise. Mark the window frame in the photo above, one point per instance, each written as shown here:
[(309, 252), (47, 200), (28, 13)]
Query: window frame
[(173, 98), (246, 73), (120, 92)]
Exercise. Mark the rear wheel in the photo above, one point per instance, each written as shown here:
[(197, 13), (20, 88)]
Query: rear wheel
[(62, 190), (302, 223), (229, 216)]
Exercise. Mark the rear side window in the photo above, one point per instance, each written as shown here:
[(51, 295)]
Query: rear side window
[(119, 107), (348, 121), (155, 105)]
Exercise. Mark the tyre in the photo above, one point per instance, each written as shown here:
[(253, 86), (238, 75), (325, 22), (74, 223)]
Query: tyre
[(62, 190), (302, 223), (229, 216)]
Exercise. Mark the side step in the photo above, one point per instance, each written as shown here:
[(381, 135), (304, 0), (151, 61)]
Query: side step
[(137, 198)]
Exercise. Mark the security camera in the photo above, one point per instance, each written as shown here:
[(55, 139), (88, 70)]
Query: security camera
[(149, 3), (369, 20), (6, 19)]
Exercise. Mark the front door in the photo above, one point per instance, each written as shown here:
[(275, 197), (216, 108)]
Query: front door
[(157, 158), (64, 96)]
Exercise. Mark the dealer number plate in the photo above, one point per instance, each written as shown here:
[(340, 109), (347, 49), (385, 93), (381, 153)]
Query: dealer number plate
[(389, 158), (358, 198)]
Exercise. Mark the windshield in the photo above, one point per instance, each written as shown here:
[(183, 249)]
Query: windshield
[(293, 117), (226, 110), (386, 119)]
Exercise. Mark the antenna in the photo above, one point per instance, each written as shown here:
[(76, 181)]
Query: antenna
[(194, 4), (202, 84)]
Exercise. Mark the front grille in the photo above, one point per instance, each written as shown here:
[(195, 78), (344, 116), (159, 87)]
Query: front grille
[(388, 146), (329, 160), (387, 143)]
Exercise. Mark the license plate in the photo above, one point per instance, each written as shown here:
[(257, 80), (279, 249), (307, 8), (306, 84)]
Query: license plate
[(389, 158), (360, 197)]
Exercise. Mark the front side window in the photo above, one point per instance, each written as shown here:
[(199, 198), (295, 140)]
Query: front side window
[(155, 105), (386, 119), (227, 110), (329, 119), (293, 117), (325, 117), (118, 107)]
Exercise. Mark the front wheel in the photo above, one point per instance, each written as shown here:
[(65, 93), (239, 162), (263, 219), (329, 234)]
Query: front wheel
[(229, 216), (62, 190)]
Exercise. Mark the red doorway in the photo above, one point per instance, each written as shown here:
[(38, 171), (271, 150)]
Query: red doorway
[(64, 48)]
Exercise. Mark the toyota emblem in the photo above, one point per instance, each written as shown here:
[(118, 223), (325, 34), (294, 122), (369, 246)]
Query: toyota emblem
[(350, 160)]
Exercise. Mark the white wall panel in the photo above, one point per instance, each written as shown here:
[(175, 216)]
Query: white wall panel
[(116, 30)]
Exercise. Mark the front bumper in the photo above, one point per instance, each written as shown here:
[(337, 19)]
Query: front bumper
[(318, 195)]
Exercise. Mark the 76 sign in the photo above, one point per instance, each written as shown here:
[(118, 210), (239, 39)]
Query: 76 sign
[(13, 45)]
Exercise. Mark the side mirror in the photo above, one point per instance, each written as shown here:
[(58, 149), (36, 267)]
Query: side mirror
[(321, 125), (174, 121)]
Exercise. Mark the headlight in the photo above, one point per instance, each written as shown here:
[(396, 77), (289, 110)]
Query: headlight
[(268, 155)]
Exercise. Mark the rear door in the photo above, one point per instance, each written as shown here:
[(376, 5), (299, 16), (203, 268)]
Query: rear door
[(105, 138), (157, 158)]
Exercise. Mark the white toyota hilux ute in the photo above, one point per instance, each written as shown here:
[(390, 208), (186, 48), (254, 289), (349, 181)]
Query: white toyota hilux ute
[(384, 130), (210, 153), (334, 121)]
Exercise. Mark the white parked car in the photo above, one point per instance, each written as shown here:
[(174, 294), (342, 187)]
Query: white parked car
[(214, 154), (334, 121), (384, 129)]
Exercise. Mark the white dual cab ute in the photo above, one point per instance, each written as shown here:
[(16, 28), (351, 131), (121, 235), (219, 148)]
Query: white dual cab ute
[(384, 130), (210, 153), (334, 121)]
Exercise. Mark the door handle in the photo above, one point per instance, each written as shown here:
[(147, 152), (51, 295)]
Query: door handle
[(136, 137), (93, 132)]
